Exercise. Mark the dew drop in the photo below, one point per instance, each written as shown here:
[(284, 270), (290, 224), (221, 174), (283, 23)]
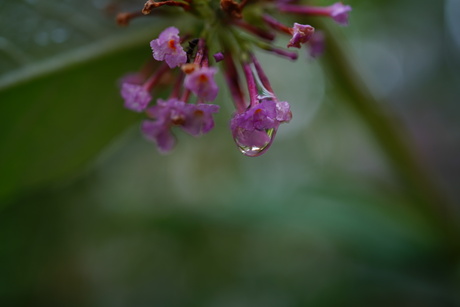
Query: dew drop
[(260, 140), (263, 91)]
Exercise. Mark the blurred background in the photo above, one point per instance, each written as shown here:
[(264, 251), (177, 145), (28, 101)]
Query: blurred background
[(355, 204)]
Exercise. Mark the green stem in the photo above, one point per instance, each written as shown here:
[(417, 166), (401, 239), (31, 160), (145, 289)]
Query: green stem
[(394, 141)]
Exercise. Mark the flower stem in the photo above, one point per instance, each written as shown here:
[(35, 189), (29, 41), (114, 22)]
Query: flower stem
[(262, 76), (156, 77), (304, 9), (231, 76), (275, 24), (252, 88)]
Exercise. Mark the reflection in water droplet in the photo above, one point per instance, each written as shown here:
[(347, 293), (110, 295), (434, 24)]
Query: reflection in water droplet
[(41, 38), (59, 35), (254, 150)]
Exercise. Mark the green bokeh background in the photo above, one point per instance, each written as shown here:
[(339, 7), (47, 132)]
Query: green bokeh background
[(355, 204)]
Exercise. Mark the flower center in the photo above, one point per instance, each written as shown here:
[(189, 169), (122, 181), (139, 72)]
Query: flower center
[(178, 120), (203, 78), (172, 44), (198, 113)]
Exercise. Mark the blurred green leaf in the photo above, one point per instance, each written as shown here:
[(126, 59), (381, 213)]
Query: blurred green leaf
[(322, 246), (59, 103), (53, 124)]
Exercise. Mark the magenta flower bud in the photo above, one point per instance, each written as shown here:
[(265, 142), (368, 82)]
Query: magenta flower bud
[(300, 35), (201, 83), (136, 97), (167, 48), (218, 56), (339, 12)]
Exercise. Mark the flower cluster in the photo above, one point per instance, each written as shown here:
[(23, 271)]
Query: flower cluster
[(229, 31)]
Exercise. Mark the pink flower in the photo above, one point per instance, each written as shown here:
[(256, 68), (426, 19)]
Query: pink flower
[(167, 48), (136, 97), (195, 119), (199, 118), (201, 83), (166, 113), (339, 12), (159, 133)]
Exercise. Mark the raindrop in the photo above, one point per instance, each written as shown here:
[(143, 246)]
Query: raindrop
[(254, 143), (264, 92)]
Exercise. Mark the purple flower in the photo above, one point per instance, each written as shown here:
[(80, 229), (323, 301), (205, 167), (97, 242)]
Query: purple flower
[(159, 133), (300, 35), (195, 119), (166, 114), (199, 118), (339, 12), (258, 112), (167, 48), (254, 129), (201, 83), (136, 97), (283, 112), (171, 111)]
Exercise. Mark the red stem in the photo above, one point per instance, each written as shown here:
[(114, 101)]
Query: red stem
[(231, 76), (155, 78), (262, 76), (275, 24), (252, 88), (304, 9)]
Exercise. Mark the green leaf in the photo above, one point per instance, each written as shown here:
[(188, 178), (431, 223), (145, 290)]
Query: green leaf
[(58, 111)]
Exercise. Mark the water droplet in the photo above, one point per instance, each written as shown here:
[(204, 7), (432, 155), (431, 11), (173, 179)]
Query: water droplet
[(264, 92), (260, 140)]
